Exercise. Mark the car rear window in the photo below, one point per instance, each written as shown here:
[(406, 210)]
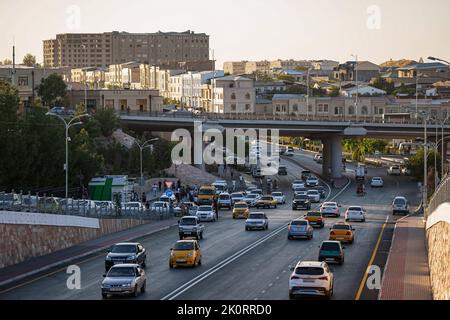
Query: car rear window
[(129, 248), (310, 271), (313, 214), (277, 194), (299, 223), (224, 197), (184, 246), (313, 192), (257, 216), (330, 246), (341, 227), (399, 201), (354, 209), (266, 198)]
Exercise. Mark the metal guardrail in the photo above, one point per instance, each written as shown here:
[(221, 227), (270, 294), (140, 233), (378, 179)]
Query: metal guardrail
[(441, 195), (297, 117), (80, 207)]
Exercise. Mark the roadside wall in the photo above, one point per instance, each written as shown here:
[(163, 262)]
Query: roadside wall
[(21, 241), (438, 242)]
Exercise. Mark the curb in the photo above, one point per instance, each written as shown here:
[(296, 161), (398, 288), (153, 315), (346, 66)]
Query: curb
[(68, 260)]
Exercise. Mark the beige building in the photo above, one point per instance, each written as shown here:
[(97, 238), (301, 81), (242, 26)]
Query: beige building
[(233, 94), (125, 75), (290, 64), (167, 49), (234, 67)]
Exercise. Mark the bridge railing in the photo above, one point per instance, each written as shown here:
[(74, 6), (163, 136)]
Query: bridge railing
[(440, 196), (288, 117)]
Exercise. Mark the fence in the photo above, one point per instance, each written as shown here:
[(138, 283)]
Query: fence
[(82, 207), (441, 195)]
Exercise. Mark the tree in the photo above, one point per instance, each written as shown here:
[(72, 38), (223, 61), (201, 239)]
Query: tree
[(29, 60), (9, 101), (107, 121), (52, 90), (415, 165), (7, 61), (334, 91), (383, 84)]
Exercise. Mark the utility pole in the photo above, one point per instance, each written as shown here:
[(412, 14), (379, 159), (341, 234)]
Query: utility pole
[(425, 165)]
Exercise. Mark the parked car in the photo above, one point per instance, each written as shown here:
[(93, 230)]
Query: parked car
[(376, 182), (279, 196), (132, 208), (330, 209), (331, 250), (224, 201), (311, 278), (124, 279), (190, 226), (185, 253), (400, 205), (313, 195), (257, 220), (30, 203), (343, 232), (301, 202), (300, 228), (51, 205), (103, 207), (126, 252), (312, 181), (240, 210), (355, 213), (206, 213), (9, 201), (315, 219), (394, 171)]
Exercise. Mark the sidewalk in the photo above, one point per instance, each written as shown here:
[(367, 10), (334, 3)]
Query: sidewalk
[(407, 275), (63, 257)]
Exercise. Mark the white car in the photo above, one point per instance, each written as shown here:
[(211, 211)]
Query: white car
[(376, 182), (251, 199), (312, 181), (300, 191), (316, 157), (313, 195), (160, 206), (132, 207), (400, 205), (330, 208), (394, 171), (355, 213), (206, 213), (279, 196), (236, 197), (298, 184), (311, 278)]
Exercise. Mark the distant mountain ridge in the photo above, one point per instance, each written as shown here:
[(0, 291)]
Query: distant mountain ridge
[(397, 63)]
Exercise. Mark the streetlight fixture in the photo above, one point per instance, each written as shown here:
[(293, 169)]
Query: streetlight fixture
[(142, 146), (68, 125)]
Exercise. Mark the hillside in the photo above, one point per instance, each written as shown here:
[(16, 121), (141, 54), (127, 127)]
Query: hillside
[(397, 63)]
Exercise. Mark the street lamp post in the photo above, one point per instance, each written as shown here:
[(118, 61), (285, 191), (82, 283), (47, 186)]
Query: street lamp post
[(357, 85), (307, 93), (68, 125), (142, 146), (85, 76)]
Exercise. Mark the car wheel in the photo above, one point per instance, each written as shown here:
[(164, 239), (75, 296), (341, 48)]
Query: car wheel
[(104, 296), (136, 291), (346, 220), (289, 237), (143, 288), (291, 296), (246, 229), (170, 265), (201, 235), (144, 264), (200, 261), (267, 227)]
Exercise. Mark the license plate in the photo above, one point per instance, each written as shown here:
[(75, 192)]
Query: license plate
[(116, 289), (118, 262), (188, 233), (330, 259), (308, 280), (181, 261)]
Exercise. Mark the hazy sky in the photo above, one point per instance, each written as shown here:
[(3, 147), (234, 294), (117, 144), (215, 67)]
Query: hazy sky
[(376, 30)]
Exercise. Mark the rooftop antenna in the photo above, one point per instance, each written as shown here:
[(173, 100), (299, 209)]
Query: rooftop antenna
[(13, 72)]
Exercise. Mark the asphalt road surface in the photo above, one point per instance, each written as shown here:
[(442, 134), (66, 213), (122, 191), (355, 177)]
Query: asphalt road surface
[(245, 265)]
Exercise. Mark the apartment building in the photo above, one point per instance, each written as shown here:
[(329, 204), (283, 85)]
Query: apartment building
[(347, 71), (290, 64), (125, 75), (94, 77), (235, 67), (155, 77), (233, 94), (167, 49)]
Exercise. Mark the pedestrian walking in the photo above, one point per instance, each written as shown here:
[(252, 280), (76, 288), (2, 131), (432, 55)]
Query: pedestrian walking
[(155, 188), (144, 197), (216, 209), (159, 185)]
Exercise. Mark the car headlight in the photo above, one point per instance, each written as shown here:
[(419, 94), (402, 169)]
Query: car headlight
[(131, 257), (108, 258), (189, 255)]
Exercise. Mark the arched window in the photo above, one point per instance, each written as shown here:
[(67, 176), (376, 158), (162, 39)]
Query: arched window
[(233, 96), (351, 110), (364, 110), (295, 107), (336, 110), (247, 96)]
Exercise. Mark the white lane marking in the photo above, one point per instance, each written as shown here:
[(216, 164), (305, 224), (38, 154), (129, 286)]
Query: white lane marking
[(188, 285)]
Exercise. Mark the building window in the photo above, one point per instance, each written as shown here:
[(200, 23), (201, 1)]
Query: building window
[(310, 109), (277, 108), (247, 96), (247, 107), (22, 81), (351, 110), (233, 96), (233, 107), (336, 110), (295, 107), (364, 110)]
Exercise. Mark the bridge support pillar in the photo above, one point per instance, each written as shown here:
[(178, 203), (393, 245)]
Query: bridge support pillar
[(336, 157), (326, 157)]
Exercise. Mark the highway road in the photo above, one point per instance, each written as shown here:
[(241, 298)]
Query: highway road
[(239, 264)]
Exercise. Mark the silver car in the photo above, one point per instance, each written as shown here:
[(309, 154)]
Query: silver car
[(257, 220), (206, 213), (124, 279), (279, 196)]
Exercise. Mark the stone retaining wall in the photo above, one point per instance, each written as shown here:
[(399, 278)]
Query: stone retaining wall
[(438, 240), (19, 242)]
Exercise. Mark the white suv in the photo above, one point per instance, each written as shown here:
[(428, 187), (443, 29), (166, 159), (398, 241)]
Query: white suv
[(400, 205), (311, 278), (355, 213), (394, 171)]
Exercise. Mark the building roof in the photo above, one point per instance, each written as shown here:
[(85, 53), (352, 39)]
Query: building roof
[(263, 101), (234, 78), (287, 96), (428, 65), (269, 83), (291, 72)]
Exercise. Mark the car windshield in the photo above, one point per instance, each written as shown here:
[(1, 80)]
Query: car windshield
[(204, 209), (237, 195), (309, 271), (341, 227), (188, 222), (399, 201), (257, 216), (224, 197), (206, 192), (299, 223), (122, 272), (240, 206), (313, 192), (252, 196), (313, 214), (127, 248), (184, 246), (330, 246), (298, 182), (266, 198)]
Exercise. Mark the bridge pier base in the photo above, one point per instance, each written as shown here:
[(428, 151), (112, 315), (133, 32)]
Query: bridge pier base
[(336, 157), (326, 157)]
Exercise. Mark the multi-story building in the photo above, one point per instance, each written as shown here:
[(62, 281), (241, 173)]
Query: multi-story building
[(234, 67), (290, 64), (233, 94), (154, 77), (125, 75), (94, 77), (347, 71), (166, 49), (325, 65)]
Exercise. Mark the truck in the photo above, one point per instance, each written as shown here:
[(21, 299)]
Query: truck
[(360, 172), (190, 226), (206, 195)]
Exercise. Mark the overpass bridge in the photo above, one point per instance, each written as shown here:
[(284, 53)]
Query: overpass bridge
[(330, 130)]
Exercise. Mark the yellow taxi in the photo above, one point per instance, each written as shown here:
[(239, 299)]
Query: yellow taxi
[(185, 253), (315, 219), (267, 201), (240, 210), (206, 195), (343, 232)]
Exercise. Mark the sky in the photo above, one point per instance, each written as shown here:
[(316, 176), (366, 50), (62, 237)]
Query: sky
[(375, 30)]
